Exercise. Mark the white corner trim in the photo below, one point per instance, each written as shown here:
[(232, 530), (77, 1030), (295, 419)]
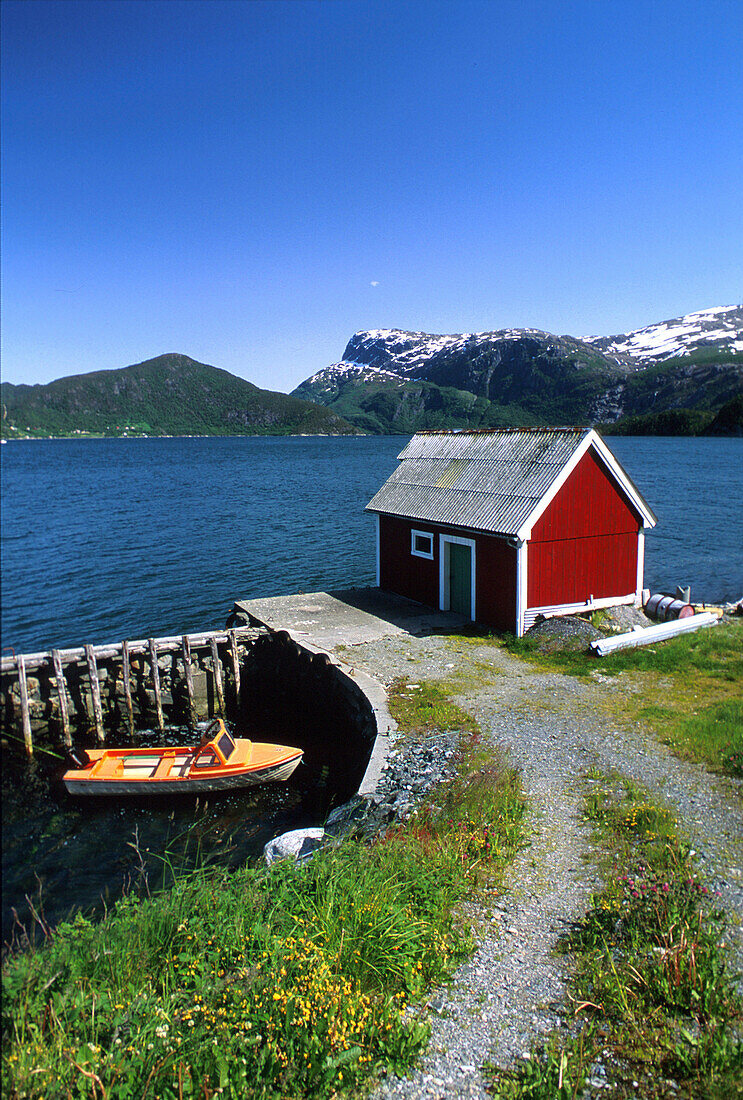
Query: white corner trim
[(444, 593), (640, 566), (590, 439), (522, 576), (421, 534), (379, 554)]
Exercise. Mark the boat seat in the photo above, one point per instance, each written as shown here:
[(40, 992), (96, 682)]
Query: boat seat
[(163, 768), (142, 768)]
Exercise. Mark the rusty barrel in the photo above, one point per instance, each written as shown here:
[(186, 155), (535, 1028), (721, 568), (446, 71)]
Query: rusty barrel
[(665, 608)]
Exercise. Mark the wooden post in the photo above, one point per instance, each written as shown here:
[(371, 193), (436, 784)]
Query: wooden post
[(235, 667), (217, 671), (156, 682), (126, 672), (95, 691), (62, 696), (189, 678), (25, 716)]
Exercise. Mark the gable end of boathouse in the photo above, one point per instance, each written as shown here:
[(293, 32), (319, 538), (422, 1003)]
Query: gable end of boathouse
[(505, 525)]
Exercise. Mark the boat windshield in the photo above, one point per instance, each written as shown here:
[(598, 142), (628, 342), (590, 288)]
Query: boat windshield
[(226, 745)]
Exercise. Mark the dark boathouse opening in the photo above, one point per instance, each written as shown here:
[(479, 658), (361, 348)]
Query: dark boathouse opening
[(291, 695)]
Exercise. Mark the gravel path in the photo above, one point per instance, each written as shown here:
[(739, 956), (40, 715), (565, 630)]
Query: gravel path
[(554, 729)]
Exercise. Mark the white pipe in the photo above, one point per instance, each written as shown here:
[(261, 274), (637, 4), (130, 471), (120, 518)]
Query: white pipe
[(650, 634)]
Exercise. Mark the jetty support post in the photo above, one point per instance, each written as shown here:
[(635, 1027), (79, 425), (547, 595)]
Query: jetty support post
[(186, 642), (235, 667), (126, 672), (64, 713), (95, 691), (156, 683), (25, 715), (217, 672)]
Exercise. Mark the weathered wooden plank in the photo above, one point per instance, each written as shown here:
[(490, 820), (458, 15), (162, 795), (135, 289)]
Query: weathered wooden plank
[(95, 692), (186, 642), (64, 713), (106, 652), (126, 673), (235, 667), (152, 646), (25, 715), (217, 673)]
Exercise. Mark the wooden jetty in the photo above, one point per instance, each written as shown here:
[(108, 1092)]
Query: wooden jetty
[(86, 659)]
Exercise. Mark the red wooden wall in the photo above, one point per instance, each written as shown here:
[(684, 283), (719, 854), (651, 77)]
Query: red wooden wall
[(495, 596), (585, 543), (418, 578), (399, 570)]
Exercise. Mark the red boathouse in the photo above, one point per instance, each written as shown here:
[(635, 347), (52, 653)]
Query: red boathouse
[(506, 525)]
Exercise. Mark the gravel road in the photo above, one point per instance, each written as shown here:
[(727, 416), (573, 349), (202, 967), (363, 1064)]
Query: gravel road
[(554, 729)]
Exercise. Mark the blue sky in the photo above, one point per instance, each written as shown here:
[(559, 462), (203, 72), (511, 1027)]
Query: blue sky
[(251, 183)]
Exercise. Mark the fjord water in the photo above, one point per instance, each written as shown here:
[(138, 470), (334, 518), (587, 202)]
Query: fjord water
[(104, 539), (128, 538), (120, 538)]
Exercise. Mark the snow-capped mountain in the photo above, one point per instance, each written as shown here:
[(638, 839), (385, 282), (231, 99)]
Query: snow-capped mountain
[(720, 329), (376, 354), (404, 352), (331, 379), (392, 380)]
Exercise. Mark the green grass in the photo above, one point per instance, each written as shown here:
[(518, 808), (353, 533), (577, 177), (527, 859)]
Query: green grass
[(687, 689), (655, 1004), (426, 707), (297, 981), (714, 735), (716, 652)]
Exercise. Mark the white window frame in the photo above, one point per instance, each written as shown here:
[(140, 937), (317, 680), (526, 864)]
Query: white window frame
[(421, 553)]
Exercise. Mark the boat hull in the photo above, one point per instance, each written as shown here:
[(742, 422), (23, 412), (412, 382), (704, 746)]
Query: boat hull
[(220, 762), (273, 773)]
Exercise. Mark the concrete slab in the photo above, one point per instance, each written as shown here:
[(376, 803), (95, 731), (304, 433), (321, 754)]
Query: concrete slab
[(348, 617), (321, 621)]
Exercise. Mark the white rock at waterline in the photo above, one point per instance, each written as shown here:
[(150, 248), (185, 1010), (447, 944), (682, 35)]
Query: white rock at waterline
[(296, 844)]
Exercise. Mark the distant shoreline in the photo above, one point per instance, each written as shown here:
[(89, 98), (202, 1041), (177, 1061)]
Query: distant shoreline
[(324, 435), (240, 435)]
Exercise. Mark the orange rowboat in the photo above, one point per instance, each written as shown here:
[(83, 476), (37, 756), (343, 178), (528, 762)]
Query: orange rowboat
[(219, 763)]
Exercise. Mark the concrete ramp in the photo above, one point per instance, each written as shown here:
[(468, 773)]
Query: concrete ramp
[(348, 617)]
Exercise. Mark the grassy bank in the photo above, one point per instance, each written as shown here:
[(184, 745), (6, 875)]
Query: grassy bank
[(687, 689), (298, 981), (656, 1013)]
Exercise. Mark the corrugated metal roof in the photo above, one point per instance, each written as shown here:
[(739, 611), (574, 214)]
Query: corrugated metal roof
[(491, 481)]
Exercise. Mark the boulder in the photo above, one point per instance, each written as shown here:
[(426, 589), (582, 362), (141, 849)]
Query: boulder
[(623, 618), (345, 818), (297, 844), (564, 633)]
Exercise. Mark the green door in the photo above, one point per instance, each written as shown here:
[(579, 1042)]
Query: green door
[(460, 579)]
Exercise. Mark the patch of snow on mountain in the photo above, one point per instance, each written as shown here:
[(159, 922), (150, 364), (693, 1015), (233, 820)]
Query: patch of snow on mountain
[(719, 326), (716, 311), (345, 370)]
